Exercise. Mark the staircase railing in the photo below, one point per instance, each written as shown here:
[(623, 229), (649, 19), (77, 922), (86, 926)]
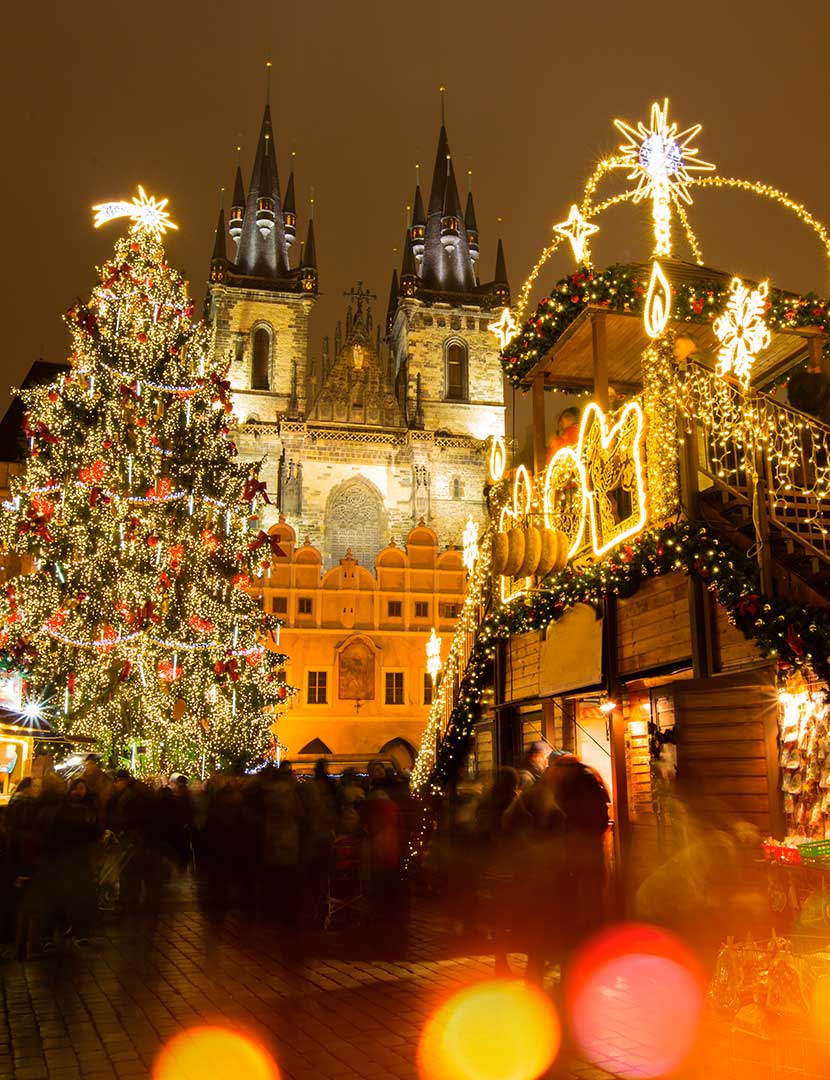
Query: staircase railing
[(764, 453), (448, 686)]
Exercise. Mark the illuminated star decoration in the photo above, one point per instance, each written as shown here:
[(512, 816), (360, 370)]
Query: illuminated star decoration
[(741, 330), (576, 230), (470, 544), (660, 159), (433, 655), (505, 328), (147, 213)]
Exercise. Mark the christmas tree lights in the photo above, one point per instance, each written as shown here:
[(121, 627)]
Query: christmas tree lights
[(137, 618)]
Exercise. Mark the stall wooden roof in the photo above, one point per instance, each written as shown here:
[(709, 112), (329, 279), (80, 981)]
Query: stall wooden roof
[(570, 361)]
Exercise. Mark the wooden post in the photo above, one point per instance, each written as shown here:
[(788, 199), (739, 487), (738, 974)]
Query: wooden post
[(700, 616), (600, 348), (540, 447), (619, 772)]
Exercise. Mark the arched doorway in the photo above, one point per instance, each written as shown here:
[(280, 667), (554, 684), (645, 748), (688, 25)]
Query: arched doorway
[(356, 520), (400, 751)]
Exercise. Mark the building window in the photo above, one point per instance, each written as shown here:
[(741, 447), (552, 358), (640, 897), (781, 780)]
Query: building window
[(427, 688), (280, 605), (394, 688), (317, 681), (450, 611), (393, 609), (304, 605), (239, 355), (456, 371), (421, 609), (457, 489), (261, 362)]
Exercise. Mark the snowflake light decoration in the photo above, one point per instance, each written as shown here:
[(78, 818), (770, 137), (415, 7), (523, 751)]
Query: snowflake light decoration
[(470, 544), (576, 230), (741, 330), (660, 159), (148, 214)]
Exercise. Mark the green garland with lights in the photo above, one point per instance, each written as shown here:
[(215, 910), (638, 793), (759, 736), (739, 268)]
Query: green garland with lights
[(622, 288), (798, 637)]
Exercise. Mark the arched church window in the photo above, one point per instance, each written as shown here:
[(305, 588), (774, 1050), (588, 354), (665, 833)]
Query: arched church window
[(355, 521), (456, 371), (261, 361)]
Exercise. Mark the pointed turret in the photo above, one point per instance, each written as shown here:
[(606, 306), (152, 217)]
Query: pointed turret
[(289, 213), (308, 269), (237, 207), (501, 288), (471, 227), (451, 212), (419, 224), (262, 249), (446, 266), (219, 258), (219, 249), (409, 275), (391, 307)]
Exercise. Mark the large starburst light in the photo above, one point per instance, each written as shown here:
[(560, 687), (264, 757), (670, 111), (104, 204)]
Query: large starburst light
[(661, 160), (148, 214)]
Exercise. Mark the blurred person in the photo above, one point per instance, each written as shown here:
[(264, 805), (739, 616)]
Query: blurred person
[(350, 795), (567, 430), (382, 822), (582, 799), (280, 855), (132, 817), (534, 764)]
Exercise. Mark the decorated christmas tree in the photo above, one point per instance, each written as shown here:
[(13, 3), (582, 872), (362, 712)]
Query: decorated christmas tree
[(136, 624)]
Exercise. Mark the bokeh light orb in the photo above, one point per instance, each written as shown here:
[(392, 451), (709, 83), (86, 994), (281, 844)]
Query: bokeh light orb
[(495, 1030), (635, 997), (214, 1052)]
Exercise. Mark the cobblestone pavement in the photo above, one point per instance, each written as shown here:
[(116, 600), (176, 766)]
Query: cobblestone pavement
[(340, 1007)]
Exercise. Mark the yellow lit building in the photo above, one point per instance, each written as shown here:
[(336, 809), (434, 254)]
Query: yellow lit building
[(357, 644)]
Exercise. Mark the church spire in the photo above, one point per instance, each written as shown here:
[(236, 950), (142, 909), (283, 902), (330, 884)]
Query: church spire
[(409, 275), (262, 250), (289, 213), (237, 205), (447, 265), (470, 226), (219, 250), (394, 290), (501, 288)]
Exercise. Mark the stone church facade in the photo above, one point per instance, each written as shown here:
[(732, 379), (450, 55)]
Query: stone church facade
[(390, 430)]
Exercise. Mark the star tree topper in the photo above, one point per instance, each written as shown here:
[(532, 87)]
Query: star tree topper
[(576, 230), (742, 330), (147, 213)]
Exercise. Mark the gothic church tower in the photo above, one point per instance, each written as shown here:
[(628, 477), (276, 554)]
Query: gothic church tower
[(258, 304), (448, 376)]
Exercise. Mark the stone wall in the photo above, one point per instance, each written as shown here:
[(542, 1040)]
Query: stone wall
[(235, 314)]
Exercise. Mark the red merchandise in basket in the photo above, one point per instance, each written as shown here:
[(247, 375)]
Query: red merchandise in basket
[(782, 853)]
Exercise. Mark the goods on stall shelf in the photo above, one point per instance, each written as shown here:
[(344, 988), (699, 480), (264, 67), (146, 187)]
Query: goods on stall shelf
[(804, 758)]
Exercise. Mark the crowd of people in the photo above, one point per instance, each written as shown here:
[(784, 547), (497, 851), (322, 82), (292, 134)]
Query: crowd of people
[(525, 859), (270, 841)]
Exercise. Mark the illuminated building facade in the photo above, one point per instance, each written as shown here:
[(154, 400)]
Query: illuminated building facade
[(382, 440)]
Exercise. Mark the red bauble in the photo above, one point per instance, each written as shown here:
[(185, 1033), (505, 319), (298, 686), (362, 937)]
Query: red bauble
[(133, 247), (142, 337), (152, 541), (142, 421)]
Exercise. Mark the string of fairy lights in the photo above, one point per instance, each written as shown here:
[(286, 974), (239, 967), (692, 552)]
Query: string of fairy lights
[(680, 399), (137, 621)]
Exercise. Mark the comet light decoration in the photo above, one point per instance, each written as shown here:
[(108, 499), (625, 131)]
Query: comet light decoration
[(742, 330), (661, 160), (147, 214)]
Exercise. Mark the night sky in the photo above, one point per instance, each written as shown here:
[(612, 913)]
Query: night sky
[(98, 98)]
